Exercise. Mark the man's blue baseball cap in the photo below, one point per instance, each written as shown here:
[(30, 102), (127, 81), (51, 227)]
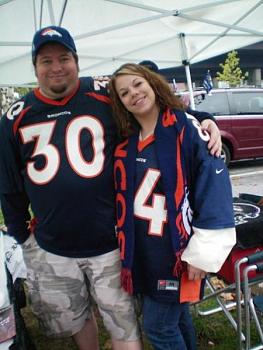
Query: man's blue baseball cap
[(52, 34)]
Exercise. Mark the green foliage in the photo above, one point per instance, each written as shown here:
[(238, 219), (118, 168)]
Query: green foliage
[(1, 218), (22, 90), (231, 72)]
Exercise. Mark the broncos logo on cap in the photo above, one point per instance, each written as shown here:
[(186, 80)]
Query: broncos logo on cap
[(50, 32)]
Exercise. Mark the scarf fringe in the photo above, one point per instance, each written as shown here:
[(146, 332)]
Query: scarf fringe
[(126, 280), (32, 225)]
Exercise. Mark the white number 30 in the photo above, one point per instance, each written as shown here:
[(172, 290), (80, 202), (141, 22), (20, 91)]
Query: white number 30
[(42, 133)]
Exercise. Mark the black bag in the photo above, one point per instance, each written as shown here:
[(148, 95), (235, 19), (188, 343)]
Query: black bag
[(22, 339)]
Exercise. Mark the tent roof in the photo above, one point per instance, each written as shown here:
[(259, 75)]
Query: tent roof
[(110, 32)]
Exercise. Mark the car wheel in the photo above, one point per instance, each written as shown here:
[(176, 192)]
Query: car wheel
[(225, 154)]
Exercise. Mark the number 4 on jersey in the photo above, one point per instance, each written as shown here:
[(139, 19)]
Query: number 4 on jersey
[(156, 213)]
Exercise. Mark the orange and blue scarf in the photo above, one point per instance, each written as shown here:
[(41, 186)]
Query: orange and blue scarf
[(172, 145)]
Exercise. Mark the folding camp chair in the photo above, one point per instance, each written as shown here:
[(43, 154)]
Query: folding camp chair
[(253, 304), (248, 274), (237, 267)]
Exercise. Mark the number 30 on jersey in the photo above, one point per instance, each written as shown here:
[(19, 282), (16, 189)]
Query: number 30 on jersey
[(42, 133)]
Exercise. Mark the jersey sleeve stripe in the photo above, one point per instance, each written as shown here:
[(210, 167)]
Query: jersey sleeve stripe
[(99, 97)]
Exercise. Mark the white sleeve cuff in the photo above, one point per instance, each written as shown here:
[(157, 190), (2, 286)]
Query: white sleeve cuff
[(208, 249)]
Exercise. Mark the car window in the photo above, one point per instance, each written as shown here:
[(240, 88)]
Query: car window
[(216, 104), (248, 102)]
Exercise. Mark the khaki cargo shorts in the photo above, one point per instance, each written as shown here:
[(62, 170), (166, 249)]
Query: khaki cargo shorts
[(60, 289)]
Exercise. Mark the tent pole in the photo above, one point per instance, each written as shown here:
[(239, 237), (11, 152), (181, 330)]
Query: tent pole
[(185, 62), (189, 84)]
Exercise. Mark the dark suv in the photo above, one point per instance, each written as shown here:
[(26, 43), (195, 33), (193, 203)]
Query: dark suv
[(239, 114)]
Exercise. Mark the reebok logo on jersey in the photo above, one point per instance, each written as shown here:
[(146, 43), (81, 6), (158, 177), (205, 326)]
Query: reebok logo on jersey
[(218, 171), (50, 32)]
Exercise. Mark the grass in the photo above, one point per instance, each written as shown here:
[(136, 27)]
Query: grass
[(214, 331)]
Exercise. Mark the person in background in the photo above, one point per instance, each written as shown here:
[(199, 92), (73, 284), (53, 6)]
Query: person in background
[(175, 217), (150, 65), (197, 114), (56, 156)]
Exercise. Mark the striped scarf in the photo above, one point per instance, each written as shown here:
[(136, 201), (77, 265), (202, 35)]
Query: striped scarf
[(171, 146)]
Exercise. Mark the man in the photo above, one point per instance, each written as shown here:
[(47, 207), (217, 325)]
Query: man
[(56, 150)]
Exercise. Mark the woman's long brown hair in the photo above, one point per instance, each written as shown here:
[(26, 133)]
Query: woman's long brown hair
[(165, 97)]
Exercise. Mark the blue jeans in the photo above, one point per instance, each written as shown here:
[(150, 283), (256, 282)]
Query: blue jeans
[(168, 326)]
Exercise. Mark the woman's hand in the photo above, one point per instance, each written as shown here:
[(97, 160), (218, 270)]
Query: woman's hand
[(194, 273), (215, 142), (260, 201)]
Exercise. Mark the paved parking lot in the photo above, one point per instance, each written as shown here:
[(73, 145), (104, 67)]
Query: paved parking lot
[(247, 177)]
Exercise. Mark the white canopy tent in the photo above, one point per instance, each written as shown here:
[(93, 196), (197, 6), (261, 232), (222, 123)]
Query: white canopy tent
[(110, 32)]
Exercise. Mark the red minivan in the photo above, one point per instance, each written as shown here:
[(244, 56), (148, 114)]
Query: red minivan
[(239, 114)]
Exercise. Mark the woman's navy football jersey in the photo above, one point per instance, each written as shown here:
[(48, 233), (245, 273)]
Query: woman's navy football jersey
[(154, 256), (60, 154)]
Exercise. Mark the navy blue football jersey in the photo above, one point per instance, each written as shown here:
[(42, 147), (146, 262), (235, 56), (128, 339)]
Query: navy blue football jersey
[(60, 154), (154, 256), (208, 205)]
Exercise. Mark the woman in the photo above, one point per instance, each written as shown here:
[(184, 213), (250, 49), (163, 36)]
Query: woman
[(174, 204)]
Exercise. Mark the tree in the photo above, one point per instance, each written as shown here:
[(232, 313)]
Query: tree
[(231, 73), (22, 90)]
